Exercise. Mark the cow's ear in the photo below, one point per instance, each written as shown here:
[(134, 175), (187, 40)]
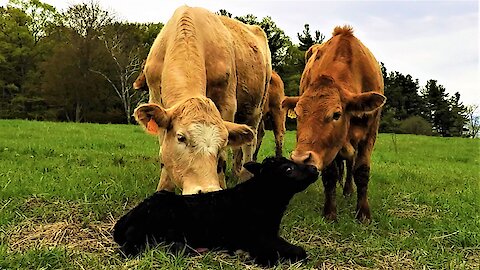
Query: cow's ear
[(365, 103), (152, 117), (238, 134), (140, 82), (253, 167), (288, 104)]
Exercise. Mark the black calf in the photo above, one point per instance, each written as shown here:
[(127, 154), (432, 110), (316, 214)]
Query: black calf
[(245, 217)]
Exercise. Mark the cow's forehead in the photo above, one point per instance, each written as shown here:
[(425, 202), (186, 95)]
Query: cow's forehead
[(320, 101), (207, 138)]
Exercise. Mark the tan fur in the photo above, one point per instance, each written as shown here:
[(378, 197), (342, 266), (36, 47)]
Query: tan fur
[(200, 55)]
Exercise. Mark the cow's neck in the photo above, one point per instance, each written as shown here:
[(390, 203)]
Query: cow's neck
[(184, 75)]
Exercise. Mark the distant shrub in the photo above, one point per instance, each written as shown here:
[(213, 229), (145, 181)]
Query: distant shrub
[(415, 125)]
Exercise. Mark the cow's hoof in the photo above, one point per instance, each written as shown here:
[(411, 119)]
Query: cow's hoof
[(347, 192), (331, 216), (363, 216)]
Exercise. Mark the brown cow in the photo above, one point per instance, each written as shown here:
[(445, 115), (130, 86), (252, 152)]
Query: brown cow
[(197, 68), (338, 114), (274, 114)]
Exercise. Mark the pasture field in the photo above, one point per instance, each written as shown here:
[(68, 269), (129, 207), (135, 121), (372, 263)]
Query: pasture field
[(63, 185)]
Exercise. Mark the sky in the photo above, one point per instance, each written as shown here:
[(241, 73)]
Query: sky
[(427, 39)]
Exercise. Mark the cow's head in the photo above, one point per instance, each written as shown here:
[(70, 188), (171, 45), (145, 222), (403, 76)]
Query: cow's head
[(194, 134), (323, 115)]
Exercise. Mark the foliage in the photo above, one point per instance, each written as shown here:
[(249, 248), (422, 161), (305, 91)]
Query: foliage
[(473, 121), (415, 125), (306, 39), (446, 115), (79, 65), (61, 193)]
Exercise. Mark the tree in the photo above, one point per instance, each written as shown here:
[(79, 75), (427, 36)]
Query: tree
[(41, 16), (306, 39), (224, 12), (473, 121), (70, 85), (458, 115), (438, 110), (121, 41)]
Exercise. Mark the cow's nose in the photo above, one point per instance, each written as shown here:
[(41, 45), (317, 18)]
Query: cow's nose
[(301, 157)]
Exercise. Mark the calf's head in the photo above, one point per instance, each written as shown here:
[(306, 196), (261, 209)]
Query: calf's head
[(323, 119), (194, 134), (283, 174)]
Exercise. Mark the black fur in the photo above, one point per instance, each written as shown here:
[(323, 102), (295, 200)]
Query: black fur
[(245, 217)]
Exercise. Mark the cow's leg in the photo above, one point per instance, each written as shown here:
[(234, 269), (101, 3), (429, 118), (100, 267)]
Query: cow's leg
[(330, 175), (249, 148), (361, 176), (348, 186), (260, 134), (278, 117)]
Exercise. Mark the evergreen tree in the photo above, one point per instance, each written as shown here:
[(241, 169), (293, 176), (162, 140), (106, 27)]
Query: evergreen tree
[(438, 109), (306, 39)]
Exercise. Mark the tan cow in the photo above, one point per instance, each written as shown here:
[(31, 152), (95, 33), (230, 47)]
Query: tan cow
[(274, 114), (338, 114), (198, 67)]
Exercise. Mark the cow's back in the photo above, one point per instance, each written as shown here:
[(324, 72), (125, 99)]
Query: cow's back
[(210, 55), (346, 60), (253, 62)]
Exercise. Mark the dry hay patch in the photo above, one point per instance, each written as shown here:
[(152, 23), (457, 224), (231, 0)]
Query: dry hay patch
[(473, 259), (406, 208), (94, 237), (64, 230), (353, 253)]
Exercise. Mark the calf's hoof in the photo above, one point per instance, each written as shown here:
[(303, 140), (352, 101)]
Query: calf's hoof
[(296, 254)]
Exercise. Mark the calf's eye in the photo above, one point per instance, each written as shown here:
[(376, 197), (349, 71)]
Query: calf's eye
[(288, 170), (337, 115)]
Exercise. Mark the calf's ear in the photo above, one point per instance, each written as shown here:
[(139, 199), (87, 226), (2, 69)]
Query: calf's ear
[(238, 134), (253, 167), (152, 117), (365, 103)]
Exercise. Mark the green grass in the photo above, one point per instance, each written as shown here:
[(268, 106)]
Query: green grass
[(63, 185)]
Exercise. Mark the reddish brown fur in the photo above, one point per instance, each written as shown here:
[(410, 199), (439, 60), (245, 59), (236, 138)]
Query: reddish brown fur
[(341, 79), (273, 112)]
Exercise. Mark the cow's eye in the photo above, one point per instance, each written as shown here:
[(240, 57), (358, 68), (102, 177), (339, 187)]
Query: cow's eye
[(181, 138), (337, 115)]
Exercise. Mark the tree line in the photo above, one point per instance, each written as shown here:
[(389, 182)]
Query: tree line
[(79, 65)]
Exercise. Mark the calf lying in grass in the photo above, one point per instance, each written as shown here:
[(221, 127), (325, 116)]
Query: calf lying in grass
[(245, 217)]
